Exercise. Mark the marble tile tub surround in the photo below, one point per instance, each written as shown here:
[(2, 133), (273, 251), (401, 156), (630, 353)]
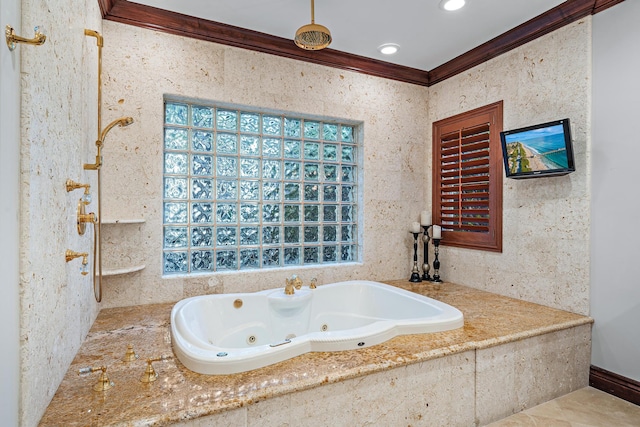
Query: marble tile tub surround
[(142, 66), (545, 257), (516, 353)]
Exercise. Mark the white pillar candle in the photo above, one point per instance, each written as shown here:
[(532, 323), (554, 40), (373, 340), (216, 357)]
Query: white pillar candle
[(415, 227), (437, 232), (425, 218)]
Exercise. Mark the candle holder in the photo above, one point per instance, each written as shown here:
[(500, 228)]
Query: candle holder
[(425, 265), (415, 272), (436, 261)]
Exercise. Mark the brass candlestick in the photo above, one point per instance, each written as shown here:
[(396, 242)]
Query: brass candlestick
[(436, 261), (415, 272), (425, 265)]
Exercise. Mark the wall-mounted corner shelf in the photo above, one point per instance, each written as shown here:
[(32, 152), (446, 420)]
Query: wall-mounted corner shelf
[(123, 221), (118, 271), (120, 241)]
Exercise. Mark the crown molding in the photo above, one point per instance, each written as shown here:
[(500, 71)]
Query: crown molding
[(183, 25), (601, 5), (188, 26)]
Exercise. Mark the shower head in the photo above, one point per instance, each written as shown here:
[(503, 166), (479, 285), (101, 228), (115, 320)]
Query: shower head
[(312, 36), (122, 121)]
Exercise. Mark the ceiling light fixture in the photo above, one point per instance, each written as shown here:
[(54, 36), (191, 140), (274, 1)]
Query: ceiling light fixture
[(313, 36), (451, 5), (388, 48)]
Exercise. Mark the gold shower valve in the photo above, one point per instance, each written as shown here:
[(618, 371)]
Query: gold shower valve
[(83, 217), (104, 383)]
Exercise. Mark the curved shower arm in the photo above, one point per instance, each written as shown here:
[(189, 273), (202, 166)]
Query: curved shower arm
[(122, 122)]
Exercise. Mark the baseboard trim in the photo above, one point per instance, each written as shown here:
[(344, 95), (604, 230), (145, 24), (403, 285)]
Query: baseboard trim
[(617, 385)]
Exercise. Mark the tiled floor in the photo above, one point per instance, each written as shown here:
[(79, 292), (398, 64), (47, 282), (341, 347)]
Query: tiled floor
[(587, 407)]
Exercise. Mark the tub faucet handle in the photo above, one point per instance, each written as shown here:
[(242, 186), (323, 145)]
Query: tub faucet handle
[(292, 284), (289, 288), (130, 355), (297, 282), (150, 374), (313, 283), (104, 383)]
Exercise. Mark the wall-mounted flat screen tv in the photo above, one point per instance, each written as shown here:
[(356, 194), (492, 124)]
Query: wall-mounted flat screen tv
[(539, 150)]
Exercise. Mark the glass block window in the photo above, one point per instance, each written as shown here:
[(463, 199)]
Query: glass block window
[(255, 190)]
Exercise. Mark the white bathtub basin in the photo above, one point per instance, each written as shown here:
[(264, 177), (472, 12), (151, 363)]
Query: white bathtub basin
[(211, 336)]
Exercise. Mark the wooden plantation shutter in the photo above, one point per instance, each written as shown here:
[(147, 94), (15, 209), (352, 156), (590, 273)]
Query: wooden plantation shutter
[(464, 179), (467, 178)]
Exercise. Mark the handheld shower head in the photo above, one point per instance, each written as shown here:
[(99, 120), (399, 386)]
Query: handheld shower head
[(122, 122)]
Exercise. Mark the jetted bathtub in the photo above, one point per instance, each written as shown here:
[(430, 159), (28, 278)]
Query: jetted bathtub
[(231, 333)]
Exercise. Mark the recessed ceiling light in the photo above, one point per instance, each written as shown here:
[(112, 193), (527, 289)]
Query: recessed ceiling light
[(388, 48), (451, 5)]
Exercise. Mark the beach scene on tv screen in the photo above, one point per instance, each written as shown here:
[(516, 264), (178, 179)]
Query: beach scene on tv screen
[(537, 150)]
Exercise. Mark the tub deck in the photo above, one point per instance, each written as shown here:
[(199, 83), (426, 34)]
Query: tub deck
[(180, 395)]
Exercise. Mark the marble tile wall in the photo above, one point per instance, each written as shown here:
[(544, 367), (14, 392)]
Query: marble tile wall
[(142, 66), (546, 222), (545, 257), (58, 127)]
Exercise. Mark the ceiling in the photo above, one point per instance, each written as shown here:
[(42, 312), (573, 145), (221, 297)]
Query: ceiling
[(428, 35)]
